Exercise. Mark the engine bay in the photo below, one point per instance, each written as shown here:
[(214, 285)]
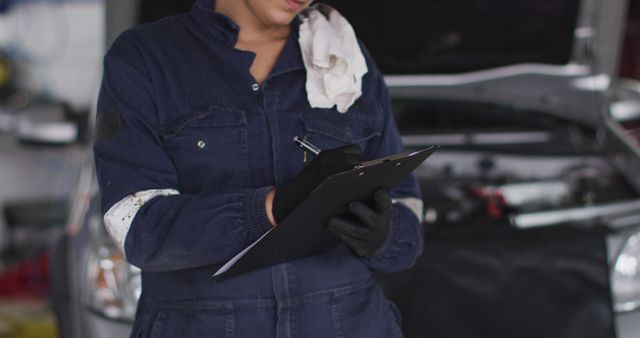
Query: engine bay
[(504, 165), (463, 187)]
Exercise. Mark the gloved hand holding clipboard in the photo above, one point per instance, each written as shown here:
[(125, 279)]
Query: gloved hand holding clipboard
[(303, 232)]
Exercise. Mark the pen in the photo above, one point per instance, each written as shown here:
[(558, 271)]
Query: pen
[(306, 145)]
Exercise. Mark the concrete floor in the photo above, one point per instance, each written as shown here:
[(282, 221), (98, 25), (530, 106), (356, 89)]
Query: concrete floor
[(26, 319)]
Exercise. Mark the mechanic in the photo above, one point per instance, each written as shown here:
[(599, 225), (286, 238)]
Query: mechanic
[(195, 161)]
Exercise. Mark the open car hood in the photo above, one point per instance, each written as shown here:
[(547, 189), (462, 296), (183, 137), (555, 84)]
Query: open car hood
[(560, 56)]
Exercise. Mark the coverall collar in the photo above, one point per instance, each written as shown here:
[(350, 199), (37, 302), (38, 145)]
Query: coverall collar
[(219, 25), (222, 26)]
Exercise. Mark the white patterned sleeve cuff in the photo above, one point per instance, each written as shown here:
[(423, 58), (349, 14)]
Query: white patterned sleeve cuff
[(413, 204), (119, 217)]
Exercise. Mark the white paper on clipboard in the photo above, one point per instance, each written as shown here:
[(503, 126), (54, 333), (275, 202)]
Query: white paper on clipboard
[(235, 258)]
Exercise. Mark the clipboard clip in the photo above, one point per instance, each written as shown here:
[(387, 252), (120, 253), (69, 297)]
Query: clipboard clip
[(308, 146)]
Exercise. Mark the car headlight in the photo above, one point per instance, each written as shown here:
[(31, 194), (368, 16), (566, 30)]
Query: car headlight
[(625, 277), (113, 285)]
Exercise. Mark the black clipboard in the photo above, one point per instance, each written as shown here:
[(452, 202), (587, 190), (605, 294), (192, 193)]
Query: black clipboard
[(302, 233)]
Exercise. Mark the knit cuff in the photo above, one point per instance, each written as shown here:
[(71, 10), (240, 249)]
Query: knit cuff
[(255, 214)]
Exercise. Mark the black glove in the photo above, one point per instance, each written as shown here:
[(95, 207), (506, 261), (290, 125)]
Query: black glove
[(328, 162), (366, 235)]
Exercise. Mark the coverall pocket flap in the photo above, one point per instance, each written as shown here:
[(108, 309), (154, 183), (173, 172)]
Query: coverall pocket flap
[(214, 116), (344, 130)]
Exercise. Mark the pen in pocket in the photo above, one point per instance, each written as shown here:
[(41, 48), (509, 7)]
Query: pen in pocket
[(304, 144)]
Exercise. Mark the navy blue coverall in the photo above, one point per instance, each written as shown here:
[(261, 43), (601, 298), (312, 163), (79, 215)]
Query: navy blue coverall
[(190, 117)]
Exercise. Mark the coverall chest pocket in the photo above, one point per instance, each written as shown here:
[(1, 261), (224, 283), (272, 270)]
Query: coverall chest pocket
[(334, 131), (329, 129), (209, 149)]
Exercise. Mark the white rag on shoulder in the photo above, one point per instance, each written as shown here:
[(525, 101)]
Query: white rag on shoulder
[(332, 57)]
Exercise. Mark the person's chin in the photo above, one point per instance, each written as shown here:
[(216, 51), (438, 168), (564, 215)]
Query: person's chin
[(281, 18)]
